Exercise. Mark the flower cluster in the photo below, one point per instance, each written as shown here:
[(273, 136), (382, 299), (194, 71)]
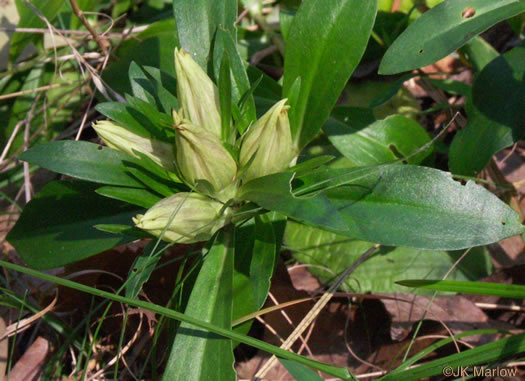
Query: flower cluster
[(201, 159)]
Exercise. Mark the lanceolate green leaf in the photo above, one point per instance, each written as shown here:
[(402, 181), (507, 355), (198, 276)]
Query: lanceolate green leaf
[(84, 161), (56, 227), (255, 257), (225, 97), (142, 268), (300, 372), (197, 22), (324, 45), (444, 29), (475, 288), (438, 344), (263, 259), (225, 44), (135, 196), (165, 88), (405, 205), (199, 355), (140, 84)]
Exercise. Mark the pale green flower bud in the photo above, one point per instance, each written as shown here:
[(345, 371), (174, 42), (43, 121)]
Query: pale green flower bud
[(200, 155), (270, 140), (198, 95), (194, 218), (122, 139)]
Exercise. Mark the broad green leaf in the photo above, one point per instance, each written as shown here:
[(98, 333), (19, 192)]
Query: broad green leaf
[(335, 371), (476, 143), (29, 19), (406, 205), (200, 355), (499, 91), (383, 141), (475, 288), (444, 29), (56, 227), (496, 115), (135, 196), (324, 48), (273, 193), (141, 270), (84, 161), (197, 22), (330, 254), (263, 259), (300, 372), (487, 353)]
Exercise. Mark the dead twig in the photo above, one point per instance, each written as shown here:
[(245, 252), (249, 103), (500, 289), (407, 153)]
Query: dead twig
[(30, 91), (101, 42)]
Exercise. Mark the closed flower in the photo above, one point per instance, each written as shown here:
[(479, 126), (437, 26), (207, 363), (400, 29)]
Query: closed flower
[(267, 146), (200, 155), (198, 95), (122, 139), (194, 218)]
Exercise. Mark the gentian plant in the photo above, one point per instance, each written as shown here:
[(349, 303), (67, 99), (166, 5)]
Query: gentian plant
[(222, 160)]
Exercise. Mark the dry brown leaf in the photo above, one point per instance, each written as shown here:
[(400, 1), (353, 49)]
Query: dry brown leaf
[(302, 279), (458, 313), (31, 364)]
